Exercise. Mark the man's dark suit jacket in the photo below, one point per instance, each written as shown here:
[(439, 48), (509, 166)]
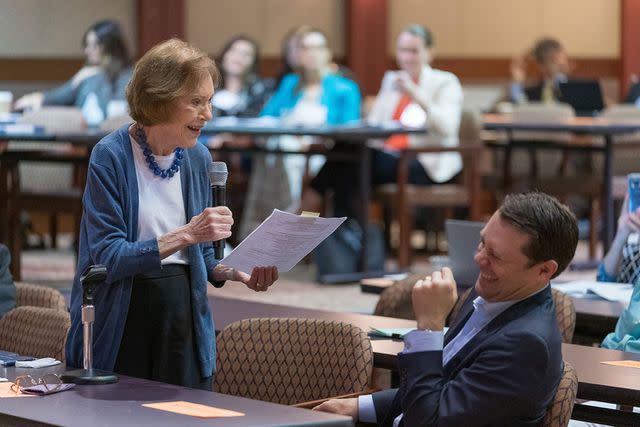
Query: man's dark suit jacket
[(506, 375)]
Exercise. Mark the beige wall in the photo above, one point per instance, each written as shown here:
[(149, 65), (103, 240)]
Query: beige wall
[(498, 28), (54, 28), (209, 23)]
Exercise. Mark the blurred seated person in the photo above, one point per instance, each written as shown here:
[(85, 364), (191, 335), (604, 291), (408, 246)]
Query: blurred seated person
[(314, 86), (554, 65), (415, 95), (99, 87), (290, 55), (633, 95), (500, 362), (7, 287), (243, 92), (622, 264), (312, 96)]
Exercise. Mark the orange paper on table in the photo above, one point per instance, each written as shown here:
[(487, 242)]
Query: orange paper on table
[(193, 409), (625, 363)]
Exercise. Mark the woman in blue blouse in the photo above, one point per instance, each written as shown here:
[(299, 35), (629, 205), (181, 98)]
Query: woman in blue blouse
[(315, 83), (147, 219), (622, 264)]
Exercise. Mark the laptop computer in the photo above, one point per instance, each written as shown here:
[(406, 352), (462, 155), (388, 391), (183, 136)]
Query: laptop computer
[(585, 96), (463, 238)]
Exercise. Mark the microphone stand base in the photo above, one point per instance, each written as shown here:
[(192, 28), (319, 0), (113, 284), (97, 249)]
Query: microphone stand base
[(89, 376)]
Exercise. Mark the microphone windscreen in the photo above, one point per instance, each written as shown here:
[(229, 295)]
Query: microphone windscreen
[(218, 173)]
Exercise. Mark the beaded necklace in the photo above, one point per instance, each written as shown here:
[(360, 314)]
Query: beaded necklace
[(141, 139)]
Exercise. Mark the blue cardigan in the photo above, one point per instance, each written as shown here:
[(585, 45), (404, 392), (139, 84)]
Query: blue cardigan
[(108, 235), (340, 95)]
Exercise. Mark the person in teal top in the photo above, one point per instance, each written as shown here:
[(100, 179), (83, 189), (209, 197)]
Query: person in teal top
[(316, 83), (622, 264)]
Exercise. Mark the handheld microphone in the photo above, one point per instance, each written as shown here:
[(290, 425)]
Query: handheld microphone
[(218, 177)]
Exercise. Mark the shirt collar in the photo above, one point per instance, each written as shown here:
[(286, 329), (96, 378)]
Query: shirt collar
[(493, 309)]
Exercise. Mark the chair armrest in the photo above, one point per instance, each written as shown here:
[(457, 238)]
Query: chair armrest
[(313, 403)]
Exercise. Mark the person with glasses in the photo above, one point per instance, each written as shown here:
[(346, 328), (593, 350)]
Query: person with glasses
[(147, 218)]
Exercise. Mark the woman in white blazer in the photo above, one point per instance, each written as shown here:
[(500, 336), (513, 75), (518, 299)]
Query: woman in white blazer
[(415, 95)]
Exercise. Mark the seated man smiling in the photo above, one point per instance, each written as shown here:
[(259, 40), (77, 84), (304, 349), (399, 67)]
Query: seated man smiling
[(500, 362)]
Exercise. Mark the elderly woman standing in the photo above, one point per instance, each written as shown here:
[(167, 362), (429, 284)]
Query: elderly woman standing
[(147, 218)]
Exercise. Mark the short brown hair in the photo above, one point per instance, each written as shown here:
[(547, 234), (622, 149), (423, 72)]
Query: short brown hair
[(166, 72), (551, 226), (544, 47)]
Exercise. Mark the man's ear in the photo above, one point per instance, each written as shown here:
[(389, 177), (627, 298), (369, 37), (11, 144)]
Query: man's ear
[(548, 268)]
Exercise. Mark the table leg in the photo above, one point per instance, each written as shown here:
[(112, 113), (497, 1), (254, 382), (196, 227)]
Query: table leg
[(607, 198), (365, 190)]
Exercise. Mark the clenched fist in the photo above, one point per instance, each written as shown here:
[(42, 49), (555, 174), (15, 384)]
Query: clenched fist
[(211, 225), (433, 298)]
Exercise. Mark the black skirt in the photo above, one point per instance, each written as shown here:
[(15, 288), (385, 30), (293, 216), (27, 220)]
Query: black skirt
[(158, 342)]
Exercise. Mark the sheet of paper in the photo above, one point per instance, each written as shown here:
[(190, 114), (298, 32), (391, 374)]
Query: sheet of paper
[(281, 240), (625, 363), (610, 291), (193, 409), (613, 291)]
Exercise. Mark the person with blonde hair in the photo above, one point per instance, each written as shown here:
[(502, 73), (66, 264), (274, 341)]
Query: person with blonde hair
[(147, 218)]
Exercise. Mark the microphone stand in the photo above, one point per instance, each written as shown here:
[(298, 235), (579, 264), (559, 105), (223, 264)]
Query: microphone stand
[(93, 276)]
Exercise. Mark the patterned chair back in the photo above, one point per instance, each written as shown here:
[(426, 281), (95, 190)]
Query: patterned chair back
[(395, 301), (566, 315), (559, 412), (290, 361), (35, 331), (39, 296)]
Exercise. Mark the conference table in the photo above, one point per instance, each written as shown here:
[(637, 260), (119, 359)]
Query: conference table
[(353, 136), (120, 404), (594, 126), (597, 381)]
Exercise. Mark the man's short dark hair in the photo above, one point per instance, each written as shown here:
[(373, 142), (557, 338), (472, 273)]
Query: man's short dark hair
[(544, 47), (551, 226)]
